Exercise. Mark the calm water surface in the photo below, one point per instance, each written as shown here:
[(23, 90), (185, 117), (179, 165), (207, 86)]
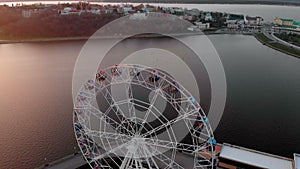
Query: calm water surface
[(36, 102), (262, 109)]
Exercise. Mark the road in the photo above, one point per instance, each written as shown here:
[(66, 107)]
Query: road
[(267, 31)]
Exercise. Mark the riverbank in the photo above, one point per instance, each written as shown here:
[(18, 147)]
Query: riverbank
[(54, 39), (259, 36), (277, 46), (57, 39)]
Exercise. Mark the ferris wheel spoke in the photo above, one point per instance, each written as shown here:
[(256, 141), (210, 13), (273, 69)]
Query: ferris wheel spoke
[(169, 123), (142, 80), (131, 107), (111, 151), (128, 161), (108, 120), (152, 102), (150, 160), (119, 111), (153, 107), (174, 145), (107, 135), (170, 163)]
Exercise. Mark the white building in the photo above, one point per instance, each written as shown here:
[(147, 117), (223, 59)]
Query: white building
[(253, 21), (127, 9), (234, 23), (202, 26), (95, 10), (193, 28), (27, 13), (138, 16), (69, 10)]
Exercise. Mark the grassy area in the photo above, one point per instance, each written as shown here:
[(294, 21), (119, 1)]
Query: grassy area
[(262, 37), (278, 46), (291, 38)]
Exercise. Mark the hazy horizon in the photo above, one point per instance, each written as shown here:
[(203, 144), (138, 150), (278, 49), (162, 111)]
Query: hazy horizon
[(183, 1)]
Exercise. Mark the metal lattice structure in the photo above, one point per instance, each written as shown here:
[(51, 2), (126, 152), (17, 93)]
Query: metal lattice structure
[(132, 116)]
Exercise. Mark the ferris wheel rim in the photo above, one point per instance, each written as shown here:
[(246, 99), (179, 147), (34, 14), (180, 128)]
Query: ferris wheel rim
[(135, 66)]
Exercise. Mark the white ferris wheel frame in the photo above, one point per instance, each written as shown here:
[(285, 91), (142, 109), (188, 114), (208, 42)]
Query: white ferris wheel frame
[(119, 140)]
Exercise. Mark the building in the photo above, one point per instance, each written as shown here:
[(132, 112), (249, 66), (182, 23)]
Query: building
[(253, 22), (283, 22), (232, 25), (235, 23), (138, 16), (27, 13), (127, 9), (286, 25), (193, 28), (296, 25), (192, 12), (150, 8), (208, 17), (178, 11), (189, 17), (202, 26), (69, 10)]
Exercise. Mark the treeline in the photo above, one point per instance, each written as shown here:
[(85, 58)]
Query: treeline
[(51, 24), (8, 15)]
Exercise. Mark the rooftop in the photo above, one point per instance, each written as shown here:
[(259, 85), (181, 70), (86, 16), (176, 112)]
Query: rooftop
[(296, 23), (284, 19)]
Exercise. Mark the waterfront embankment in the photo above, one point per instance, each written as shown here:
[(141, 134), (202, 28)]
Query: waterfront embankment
[(57, 39), (277, 46), (54, 39)]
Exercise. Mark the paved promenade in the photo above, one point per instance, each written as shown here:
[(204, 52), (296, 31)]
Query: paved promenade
[(69, 162)]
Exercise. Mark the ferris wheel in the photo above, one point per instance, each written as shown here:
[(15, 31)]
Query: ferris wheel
[(133, 116)]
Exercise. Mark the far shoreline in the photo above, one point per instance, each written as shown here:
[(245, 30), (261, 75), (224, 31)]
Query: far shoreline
[(59, 39), (296, 4), (292, 4), (37, 40)]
